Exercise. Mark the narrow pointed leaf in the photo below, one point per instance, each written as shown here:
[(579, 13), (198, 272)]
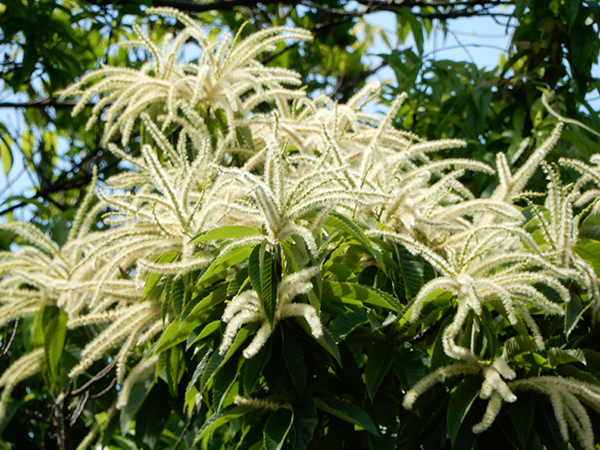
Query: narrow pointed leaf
[(347, 411), (380, 360), (460, 403), (277, 428), (225, 232)]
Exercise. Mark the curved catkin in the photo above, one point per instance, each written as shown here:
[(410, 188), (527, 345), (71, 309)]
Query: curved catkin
[(24, 367)]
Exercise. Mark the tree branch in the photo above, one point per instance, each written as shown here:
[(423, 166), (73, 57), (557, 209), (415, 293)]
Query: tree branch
[(42, 103), (371, 6)]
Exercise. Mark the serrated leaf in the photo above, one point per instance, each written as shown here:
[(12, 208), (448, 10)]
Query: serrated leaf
[(574, 311), (408, 366), (244, 136), (269, 284), (346, 411), (460, 403), (55, 329), (348, 227), (206, 331), (254, 271), (386, 412), (223, 381), (178, 332), (379, 361), (154, 278), (521, 415), (366, 295), (200, 368), (135, 400), (218, 267), (177, 295), (305, 422), (239, 282), (277, 428), (590, 228), (253, 368), (225, 232), (294, 359), (411, 270), (221, 418), (589, 250), (342, 325), (569, 370), (517, 345), (558, 356), (264, 280)]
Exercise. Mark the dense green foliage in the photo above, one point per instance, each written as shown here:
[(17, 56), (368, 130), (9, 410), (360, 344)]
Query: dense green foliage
[(244, 277)]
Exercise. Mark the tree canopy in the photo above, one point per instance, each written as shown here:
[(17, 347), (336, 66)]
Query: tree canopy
[(223, 248)]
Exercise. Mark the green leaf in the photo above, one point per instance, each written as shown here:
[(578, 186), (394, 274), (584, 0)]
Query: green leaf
[(590, 228), (136, 398), (225, 232), (346, 411), (417, 29), (342, 325), (305, 422), (27, 144), (294, 360), (200, 368), (277, 428), (517, 345), (521, 415), (221, 418), (386, 412), (269, 282), (154, 278), (378, 364), (263, 276), (345, 225), (218, 267), (411, 270), (574, 311), (460, 403), (254, 271), (244, 136), (366, 295), (408, 365), (589, 250), (177, 296), (558, 356), (6, 153), (224, 379), (205, 331), (238, 283), (253, 368), (178, 332), (55, 330), (569, 370)]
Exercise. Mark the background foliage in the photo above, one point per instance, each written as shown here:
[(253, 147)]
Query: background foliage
[(49, 44)]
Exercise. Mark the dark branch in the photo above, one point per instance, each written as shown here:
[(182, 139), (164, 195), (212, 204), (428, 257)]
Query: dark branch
[(455, 9), (42, 103)]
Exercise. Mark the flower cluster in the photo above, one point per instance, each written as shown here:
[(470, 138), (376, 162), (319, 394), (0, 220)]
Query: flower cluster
[(274, 179)]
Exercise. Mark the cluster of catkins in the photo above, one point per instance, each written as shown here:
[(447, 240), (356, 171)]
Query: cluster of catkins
[(283, 172)]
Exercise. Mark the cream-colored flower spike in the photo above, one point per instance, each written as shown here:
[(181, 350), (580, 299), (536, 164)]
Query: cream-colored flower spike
[(567, 396), (282, 195), (226, 76), (492, 266), (246, 308)]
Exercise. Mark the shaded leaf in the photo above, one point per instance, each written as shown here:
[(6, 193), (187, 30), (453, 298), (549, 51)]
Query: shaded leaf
[(346, 411), (277, 428)]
